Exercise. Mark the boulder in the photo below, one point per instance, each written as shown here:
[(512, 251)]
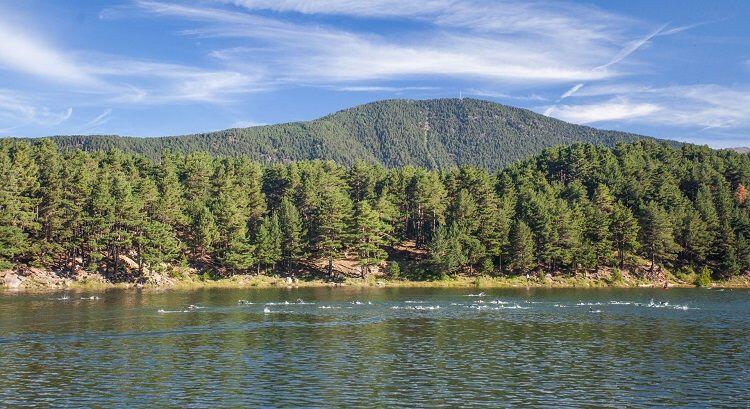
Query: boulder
[(12, 281)]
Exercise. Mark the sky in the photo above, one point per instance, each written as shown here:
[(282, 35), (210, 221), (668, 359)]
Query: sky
[(676, 69)]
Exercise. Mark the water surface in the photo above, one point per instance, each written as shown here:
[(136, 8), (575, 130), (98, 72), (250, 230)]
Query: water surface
[(377, 347)]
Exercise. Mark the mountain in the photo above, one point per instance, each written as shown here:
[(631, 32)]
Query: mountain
[(740, 149), (435, 133)]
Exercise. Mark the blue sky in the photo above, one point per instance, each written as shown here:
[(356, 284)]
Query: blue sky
[(673, 69)]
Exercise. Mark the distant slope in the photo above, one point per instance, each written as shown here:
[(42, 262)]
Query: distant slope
[(740, 149), (436, 133)]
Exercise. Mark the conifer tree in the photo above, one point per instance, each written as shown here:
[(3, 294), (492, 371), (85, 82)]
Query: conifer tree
[(205, 231), (50, 214), (268, 242), (13, 239), (657, 235), (290, 224), (331, 220), (625, 231), (169, 208), (447, 255), (369, 236), (522, 248)]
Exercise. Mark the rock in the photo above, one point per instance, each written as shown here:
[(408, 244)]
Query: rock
[(288, 280), (12, 281)]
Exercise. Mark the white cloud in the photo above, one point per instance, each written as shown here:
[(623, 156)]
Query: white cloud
[(504, 95), (571, 91), (101, 119), (21, 52), (681, 106), (632, 47), (17, 111), (246, 124), (513, 47), (616, 109), (380, 88)]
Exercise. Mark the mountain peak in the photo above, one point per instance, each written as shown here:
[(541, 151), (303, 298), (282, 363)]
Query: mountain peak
[(435, 133)]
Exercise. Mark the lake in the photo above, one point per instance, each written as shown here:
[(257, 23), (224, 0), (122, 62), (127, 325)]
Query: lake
[(349, 347)]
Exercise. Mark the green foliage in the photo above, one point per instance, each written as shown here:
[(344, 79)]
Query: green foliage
[(582, 207), (268, 242), (438, 133), (370, 233), (616, 277), (704, 278), (522, 251), (394, 270), (446, 252), (290, 224)]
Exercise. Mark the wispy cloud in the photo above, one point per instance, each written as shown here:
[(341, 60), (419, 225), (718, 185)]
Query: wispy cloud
[(518, 49), (246, 124), (23, 52), (682, 106), (17, 111), (101, 119), (571, 91), (504, 95), (632, 47), (616, 109), (379, 88)]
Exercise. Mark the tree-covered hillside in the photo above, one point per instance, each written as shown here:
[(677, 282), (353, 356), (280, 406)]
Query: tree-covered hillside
[(568, 210), (436, 134)]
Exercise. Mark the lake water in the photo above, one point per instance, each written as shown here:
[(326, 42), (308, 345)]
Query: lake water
[(377, 347)]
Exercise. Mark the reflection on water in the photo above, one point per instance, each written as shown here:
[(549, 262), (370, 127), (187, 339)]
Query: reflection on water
[(377, 347)]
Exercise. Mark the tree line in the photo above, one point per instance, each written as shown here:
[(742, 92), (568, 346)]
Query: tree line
[(569, 209), (436, 133)]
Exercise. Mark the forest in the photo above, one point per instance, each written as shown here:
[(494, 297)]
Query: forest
[(569, 209), (436, 134)]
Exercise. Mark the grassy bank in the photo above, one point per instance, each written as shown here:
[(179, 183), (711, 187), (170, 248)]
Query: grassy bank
[(193, 282)]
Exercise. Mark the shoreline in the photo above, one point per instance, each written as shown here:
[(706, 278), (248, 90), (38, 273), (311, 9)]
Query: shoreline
[(96, 283)]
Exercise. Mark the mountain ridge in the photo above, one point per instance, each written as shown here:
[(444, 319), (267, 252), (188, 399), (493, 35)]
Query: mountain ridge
[(434, 133)]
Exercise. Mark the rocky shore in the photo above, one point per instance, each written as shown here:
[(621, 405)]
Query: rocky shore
[(40, 280)]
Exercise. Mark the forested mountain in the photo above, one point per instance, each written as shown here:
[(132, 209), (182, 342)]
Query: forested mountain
[(436, 134), (569, 209)]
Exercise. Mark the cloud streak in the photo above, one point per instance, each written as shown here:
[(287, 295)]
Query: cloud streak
[(16, 112), (506, 48), (24, 53)]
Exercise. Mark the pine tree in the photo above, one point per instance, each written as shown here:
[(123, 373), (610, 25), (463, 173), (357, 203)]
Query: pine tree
[(657, 235), (426, 205), (205, 231), (292, 244), (598, 225), (695, 239), (169, 209), (158, 245), (465, 218), (447, 256), (13, 239), (268, 242), (522, 248), (625, 231), (50, 213), (78, 178), (127, 220), (369, 236), (331, 223)]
